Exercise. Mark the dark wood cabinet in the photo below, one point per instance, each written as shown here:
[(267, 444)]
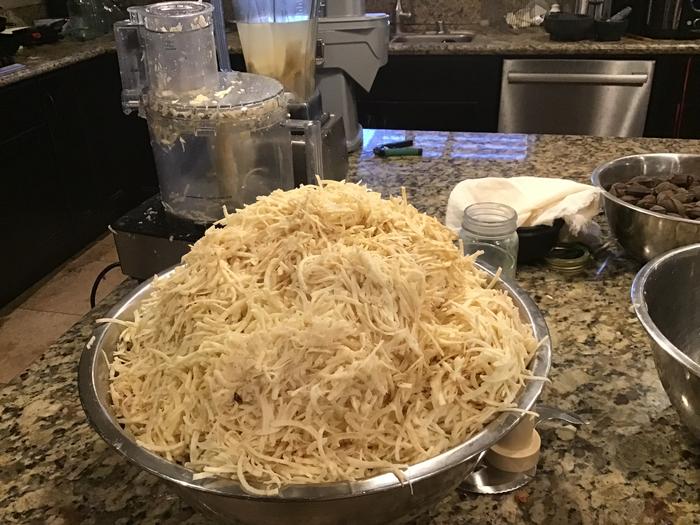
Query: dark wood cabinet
[(664, 110), (105, 155), (34, 216), (72, 162), (689, 120), (449, 93), (674, 105)]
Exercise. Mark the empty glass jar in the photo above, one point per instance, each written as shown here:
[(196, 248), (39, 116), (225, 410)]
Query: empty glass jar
[(490, 227)]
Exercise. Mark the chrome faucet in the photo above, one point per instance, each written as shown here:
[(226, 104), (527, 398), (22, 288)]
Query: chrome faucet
[(440, 27), (400, 14)]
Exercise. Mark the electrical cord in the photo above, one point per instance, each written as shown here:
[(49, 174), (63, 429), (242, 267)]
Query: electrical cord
[(100, 276)]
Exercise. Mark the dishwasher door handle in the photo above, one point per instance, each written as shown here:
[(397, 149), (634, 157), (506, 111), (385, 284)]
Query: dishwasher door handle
[(579, 78)]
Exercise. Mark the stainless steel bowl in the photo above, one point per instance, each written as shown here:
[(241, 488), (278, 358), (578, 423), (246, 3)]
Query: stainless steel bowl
[(642, 233), (666, 298), (380, 499)]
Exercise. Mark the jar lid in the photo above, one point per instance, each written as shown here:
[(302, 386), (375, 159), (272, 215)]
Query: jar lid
[(568, 258), (243, 99)]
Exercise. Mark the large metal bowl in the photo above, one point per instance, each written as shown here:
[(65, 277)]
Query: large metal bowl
[(642, 233), (666, 298), (377, 500)]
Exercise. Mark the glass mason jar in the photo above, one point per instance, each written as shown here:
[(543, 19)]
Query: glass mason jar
[(491, 228)]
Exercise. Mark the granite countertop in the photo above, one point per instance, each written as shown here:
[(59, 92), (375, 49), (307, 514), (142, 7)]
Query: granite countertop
[(535, 42), (488, 41), (632, 463), (49, 57)]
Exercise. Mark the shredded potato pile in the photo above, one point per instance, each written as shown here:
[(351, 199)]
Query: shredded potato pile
[(318, 335)]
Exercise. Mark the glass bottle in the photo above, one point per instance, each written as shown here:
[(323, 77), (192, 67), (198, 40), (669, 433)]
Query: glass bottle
[(490, 227)]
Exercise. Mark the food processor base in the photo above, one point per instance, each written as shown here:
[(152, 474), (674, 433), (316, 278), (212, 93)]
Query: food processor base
[(150, 240)]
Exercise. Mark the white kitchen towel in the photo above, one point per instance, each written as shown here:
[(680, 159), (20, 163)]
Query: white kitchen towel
[(537, 200)]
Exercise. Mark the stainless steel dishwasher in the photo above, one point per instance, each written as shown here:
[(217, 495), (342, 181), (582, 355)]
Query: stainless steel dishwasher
[(578, 97)]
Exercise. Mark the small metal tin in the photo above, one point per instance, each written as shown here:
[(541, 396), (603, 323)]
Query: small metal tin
[(568, 258)]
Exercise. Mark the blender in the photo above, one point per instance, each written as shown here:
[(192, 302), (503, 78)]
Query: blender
[(220, 139), (279, 40)]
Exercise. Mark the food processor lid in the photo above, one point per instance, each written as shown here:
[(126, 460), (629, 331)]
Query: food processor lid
[(241, 98)]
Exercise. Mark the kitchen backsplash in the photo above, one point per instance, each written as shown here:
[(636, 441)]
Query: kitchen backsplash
[(453, 12), (425, 12), (428, 11)]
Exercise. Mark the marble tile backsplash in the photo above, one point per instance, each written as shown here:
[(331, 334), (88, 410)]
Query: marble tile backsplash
[(425, 12), (453, 12)]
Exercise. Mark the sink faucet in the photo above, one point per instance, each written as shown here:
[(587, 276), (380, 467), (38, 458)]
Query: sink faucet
[(400, 14), (440, 27)]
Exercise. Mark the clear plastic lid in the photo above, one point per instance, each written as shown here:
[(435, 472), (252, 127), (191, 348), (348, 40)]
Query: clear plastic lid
[(243, 99), (177, 17)]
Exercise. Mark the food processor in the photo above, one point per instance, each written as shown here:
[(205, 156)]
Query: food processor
[(220, 139), (279, 40)]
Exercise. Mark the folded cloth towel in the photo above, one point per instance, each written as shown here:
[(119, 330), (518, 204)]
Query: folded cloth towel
[(531, 15), (537, 200)]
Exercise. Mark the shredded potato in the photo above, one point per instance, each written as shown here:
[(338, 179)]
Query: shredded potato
[(318, 335)]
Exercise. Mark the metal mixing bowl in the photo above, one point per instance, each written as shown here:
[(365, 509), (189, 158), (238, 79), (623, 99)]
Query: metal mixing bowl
[(666, 298), (377, 500), (642, 233)]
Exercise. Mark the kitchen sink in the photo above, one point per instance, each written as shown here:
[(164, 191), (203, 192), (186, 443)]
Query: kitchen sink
[(433, 38)]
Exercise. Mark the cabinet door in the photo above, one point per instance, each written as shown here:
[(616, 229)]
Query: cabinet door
[(72, 162), (104, 155), (20, 109), (689, 125), (426, 115), (674, 106), (666, 95), (453, 93), (34, 216)]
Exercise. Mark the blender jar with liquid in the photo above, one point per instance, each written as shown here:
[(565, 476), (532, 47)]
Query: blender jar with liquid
[(279, 40)]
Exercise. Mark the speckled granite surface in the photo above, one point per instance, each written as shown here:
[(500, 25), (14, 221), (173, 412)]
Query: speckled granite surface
[(534, 42), (46, 58), (633, 462), (49, 57), (488, 41)]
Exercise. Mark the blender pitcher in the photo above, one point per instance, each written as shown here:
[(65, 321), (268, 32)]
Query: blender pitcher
[(278, 38), (219, 139)]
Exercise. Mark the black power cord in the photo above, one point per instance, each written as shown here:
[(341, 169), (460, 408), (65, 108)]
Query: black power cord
[(101, 276)]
